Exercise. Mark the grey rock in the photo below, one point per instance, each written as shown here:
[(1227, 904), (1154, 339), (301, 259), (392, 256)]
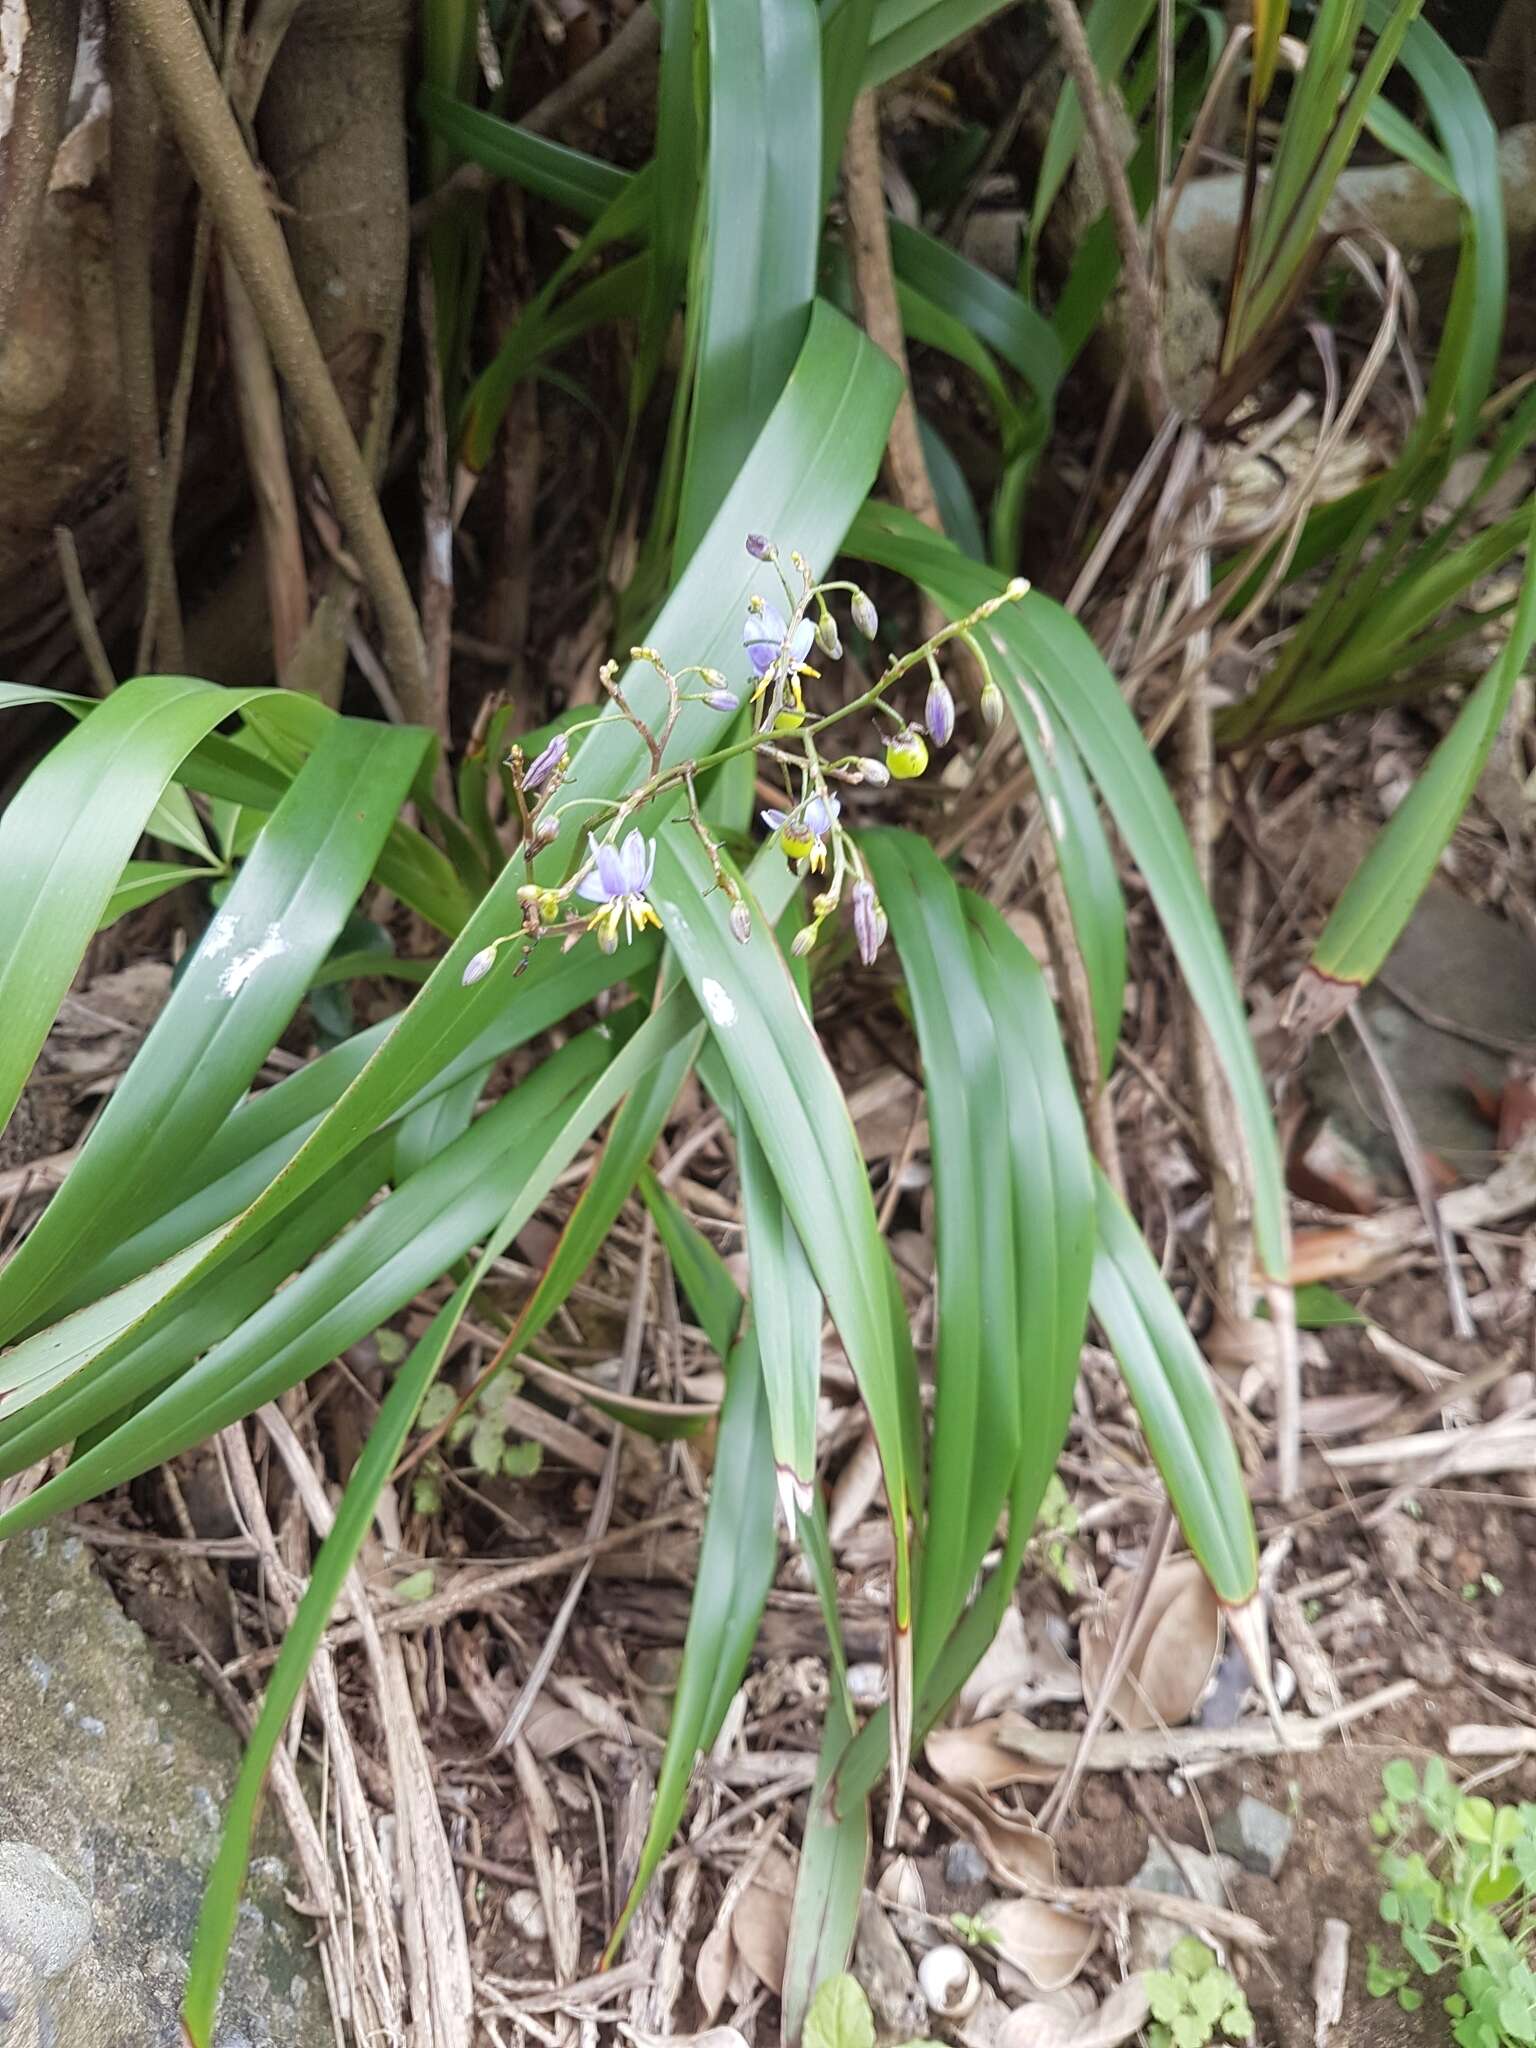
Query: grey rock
[(44, 1916), (964, 1866), (116, 1772), (1257, 1835), (1194, 1876)]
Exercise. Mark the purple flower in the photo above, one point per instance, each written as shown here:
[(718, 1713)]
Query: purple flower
[(544, 764), (939, 713), (759, 546), (868, 921), (723, 700), (768, 640), (616, 882)]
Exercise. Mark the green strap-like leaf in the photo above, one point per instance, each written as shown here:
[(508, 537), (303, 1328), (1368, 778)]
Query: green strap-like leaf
[(786, 1314), (759, 233), (797, 1111), (231, 1003), (66, 837), (339, 1552), (1036, 641), (738, 1553), (1170, 1384)]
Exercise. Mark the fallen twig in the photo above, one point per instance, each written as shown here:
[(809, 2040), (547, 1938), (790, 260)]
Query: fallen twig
[(1182, 1748)]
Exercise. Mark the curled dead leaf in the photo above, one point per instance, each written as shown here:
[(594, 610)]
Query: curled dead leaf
[(1174, 1648), (975, 1759), (1038, 1947), (1044, 2026), (760, 1923), (1014, 1847), (1024, 1666)]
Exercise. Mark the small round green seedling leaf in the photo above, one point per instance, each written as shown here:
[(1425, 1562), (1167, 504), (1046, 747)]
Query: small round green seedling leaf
[(839, 2016)]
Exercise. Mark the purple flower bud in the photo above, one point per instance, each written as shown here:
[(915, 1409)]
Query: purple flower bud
[(478, 966), (874, 772), (803, 940), (544, 764), (741, 922), (939, 713), (723, 700), (865, 617), (759, 547), (826, 637), (868, 921), (991, 704), (546, 830)]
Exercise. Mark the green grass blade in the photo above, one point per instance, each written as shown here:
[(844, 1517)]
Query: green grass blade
[(339, 1552), (1001, 317), (1471, 146), (231, 1004), (845, 32), (68, 834), (906, 31), (786, 1313), (701, 1272), (951, 492), (146, 881), (829, 1887), (568, 178), (760, 230), (1369, 917), (739, 1550), (1170, 1384), (1037, 641), (797, 1111)]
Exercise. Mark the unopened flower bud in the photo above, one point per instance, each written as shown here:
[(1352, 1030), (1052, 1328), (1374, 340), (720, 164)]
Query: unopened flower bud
[(478, 966), (713, 677), (939, 713), (546, 829), (991, 704), (907, 755), (759, 547), (530, 892), (826, 636), (544, 764), (1018, 586), (741, 922), (723, 700), (874, 772), (865, 617), (868, 921), (803, 940)]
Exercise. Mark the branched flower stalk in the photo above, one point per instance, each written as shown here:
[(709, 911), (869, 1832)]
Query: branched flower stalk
[(786, 731)]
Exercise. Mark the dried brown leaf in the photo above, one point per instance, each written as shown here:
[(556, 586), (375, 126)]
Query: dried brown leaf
[(975, 1759), (1044, 2026), (1023, 1666), (1039, 1947), (760, 1923), (712, 1972), (1173, 1652)]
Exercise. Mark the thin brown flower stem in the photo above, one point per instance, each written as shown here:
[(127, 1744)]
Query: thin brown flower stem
[(1147, 335), (81, 613), (183, 75)]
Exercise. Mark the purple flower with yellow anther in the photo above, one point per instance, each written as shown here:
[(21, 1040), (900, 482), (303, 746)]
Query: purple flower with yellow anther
[(769, 643), (616, 882), (804, 832)]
